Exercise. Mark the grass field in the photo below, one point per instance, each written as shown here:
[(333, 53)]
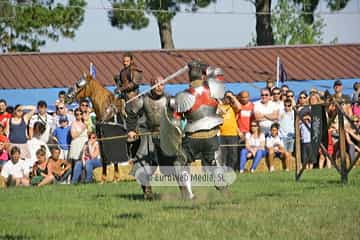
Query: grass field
[(262, 206)]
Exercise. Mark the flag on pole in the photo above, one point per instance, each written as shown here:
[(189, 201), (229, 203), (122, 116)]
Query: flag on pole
[(92, 70), (281, 75)]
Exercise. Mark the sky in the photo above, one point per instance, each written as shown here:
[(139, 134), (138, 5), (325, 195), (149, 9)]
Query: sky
[(226, 24)]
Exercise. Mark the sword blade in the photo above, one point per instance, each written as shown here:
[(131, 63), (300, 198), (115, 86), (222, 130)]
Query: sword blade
[(171, 76)]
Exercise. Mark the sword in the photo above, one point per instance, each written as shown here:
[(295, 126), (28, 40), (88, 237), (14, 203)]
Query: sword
[(171, 76)]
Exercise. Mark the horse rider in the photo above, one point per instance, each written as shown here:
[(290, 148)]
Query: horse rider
[(127, 82), (144, 115), (198, 105)]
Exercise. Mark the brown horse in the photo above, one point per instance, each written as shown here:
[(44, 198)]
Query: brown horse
[(105, 104)]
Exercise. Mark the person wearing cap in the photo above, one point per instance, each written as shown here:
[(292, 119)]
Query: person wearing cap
[(62, 136), (44, 118), (343, 99)]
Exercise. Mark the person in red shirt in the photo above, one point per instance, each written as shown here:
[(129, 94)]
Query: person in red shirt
[(4, 116), (245, 113)]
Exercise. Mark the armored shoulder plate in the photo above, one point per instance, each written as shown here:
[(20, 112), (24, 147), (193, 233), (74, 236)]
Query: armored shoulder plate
[(217, 88), (184, 101)]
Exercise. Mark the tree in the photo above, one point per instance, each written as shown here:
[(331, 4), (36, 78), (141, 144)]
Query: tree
[(134, 14), (290, 28), (264, 33), (25, 25), (309, 6)]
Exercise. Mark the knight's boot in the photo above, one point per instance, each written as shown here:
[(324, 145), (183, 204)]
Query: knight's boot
[(148, 195), (224, 190)]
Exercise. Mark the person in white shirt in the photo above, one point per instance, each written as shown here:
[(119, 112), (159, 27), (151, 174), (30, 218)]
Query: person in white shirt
[(275, 148), (43, 117), (265, 111), (287, 126), (16, 171), (36, 142)]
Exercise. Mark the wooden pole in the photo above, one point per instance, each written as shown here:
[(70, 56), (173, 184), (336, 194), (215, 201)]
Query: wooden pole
[(297, 147), (342, 145)]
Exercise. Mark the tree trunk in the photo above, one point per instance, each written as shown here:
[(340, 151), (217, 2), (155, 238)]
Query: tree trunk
[(264, 34), (165, 32)]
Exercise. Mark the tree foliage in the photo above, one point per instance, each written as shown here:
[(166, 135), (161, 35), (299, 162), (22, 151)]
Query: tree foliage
[(290, 28), (26, 24), (135, 14)]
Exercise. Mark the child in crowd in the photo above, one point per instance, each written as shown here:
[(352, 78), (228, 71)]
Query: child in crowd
[(275, 148), (307, 152), (62, 136)]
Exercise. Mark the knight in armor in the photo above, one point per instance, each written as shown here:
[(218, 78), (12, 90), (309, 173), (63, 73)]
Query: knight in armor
[(198, 105), (127, 82), (144, 116)]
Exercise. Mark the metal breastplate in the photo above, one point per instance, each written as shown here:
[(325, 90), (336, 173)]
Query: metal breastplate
[(202, 116), (153, 109)]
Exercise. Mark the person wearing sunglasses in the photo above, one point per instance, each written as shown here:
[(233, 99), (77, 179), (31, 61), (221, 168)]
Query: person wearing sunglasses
[(265, 111), (276, 98), (291, 95), (89, 116)]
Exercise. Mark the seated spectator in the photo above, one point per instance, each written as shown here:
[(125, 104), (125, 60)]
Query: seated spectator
[(287, 126), (91, 158), (353, 139), (254, 147), (4, 155), (15, 172), (17, 129), (59, 168), (36, 142), (40, 175), (275, 148), (62, 136)]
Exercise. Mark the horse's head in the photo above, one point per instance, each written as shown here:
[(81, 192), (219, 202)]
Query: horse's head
[(79, 90)]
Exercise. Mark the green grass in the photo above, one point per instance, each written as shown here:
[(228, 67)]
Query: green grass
[(262, 206)]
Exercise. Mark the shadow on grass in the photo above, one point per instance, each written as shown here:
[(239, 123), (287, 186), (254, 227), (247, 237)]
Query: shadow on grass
[(128, 216), (137, 196), (14, 237), (194, 207)]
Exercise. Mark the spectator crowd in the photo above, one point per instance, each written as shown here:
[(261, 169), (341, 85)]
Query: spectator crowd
[(38, 147)]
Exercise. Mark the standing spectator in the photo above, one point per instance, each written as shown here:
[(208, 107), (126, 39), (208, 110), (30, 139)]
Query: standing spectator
[(343, 99), (287, 126), (355, 95), (87, 115), (265, 111), (61, 98), (229, 130), (61, 110), (4, 115), (303, 101), (255, 147), (291, 95), (270, 84), (245, 114), (276, 98), (275, 148), (17, 128), (59, 168), (356, 107), (353, 139), (15, 171), (307, 153), (43, 117), (79, 138), (35, 143), (91, 157), (284, 89), (62, 136)]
